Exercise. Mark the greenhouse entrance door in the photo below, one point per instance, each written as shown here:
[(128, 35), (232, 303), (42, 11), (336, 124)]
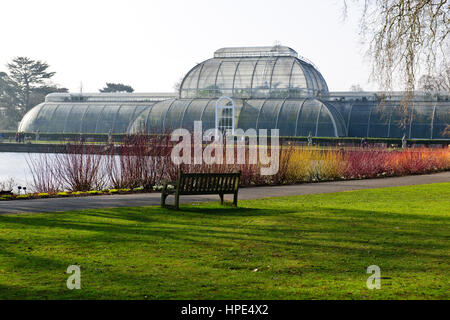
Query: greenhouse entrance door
[(225, 115)]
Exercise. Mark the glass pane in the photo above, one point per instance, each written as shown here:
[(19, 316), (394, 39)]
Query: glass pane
[(280, 78), (309, 78), (249, 114), (43, 119), (140, 123), (124, 117), (441, 120), (359, 118), (225, 77), (395, 129), (268, 116), (175, 114), (28, 122), (209, 115), (288, 116), (193, 113), (189, 85), (106, 119), (73, 123), (155, 122), (421, 121), (298, 82), (261, 78), (325, 127), (58, 118), (308, 118), (243, 78), (379, 119), (207, 82)]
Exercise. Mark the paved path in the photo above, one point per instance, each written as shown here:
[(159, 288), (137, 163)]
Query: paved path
[(135, 200)]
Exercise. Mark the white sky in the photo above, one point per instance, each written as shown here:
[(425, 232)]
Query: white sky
[(151, 44)]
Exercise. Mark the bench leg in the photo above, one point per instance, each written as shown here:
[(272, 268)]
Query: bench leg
[(163, 199), (235, 199), (177, 201), (221, 198)]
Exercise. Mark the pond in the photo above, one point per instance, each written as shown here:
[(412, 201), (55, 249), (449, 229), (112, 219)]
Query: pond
[(14, 166)]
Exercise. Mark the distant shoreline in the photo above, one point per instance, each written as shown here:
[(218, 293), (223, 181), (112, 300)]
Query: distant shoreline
[(45, 147)]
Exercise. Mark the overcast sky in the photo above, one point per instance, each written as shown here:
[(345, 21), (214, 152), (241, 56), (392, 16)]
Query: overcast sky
[(151, 44)]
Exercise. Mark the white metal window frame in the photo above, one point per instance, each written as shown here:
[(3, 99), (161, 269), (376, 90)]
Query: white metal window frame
[(221, 105)]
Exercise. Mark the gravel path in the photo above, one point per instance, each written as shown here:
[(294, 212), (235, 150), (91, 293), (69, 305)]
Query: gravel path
[(148, 199)]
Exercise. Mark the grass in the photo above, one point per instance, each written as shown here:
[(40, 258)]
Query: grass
[(302, 247)]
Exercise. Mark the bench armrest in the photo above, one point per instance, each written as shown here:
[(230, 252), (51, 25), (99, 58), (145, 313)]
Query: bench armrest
[(166, 183)]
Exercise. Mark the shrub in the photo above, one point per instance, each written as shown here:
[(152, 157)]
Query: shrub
[(79, 193), (81, 168), (95, 192), (43, 173), (43, 195), (143, 162), (23, 197), (314, 164)]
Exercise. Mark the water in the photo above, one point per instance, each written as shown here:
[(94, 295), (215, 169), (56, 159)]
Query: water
[(14, 166)]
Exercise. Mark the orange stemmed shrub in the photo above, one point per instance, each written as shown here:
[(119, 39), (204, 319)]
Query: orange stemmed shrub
[(308, 164)]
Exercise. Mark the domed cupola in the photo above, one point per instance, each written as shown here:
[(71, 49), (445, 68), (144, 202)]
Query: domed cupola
[(254, 72)]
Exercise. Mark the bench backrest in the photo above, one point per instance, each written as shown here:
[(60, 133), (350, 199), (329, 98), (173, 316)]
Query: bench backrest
[(208, 182)]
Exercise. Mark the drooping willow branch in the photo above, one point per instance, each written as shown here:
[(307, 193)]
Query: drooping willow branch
[(406, 39)]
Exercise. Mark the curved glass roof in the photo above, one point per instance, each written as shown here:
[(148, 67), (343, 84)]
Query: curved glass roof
[(88, 113), (108, 97), (294, 117), (427, 119), (52, 117), (254, 72)]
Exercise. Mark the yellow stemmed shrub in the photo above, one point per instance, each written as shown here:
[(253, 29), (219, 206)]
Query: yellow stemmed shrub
[(314, 164)]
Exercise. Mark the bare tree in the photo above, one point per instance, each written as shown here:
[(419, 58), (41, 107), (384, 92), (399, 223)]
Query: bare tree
[(356, 88), (435, 83), (177, 85)]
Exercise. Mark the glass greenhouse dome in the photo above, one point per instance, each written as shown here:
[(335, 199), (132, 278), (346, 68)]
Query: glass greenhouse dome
[(254, 72), (265, 88)]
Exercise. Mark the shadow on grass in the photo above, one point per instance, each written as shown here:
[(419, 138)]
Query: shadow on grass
[(231, 211), (195, 225), (239, 239)]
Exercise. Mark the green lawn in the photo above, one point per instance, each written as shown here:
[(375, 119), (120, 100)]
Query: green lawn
[(303, 247)]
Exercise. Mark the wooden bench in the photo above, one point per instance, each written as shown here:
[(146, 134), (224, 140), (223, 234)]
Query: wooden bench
[(202, 183)]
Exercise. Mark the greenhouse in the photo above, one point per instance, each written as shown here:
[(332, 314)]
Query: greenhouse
[(294, 117), (247, 87), (93, 113), (368, 116)]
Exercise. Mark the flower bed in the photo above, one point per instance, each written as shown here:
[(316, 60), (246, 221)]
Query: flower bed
[(143, 164), (314, 164), (45, 195)]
